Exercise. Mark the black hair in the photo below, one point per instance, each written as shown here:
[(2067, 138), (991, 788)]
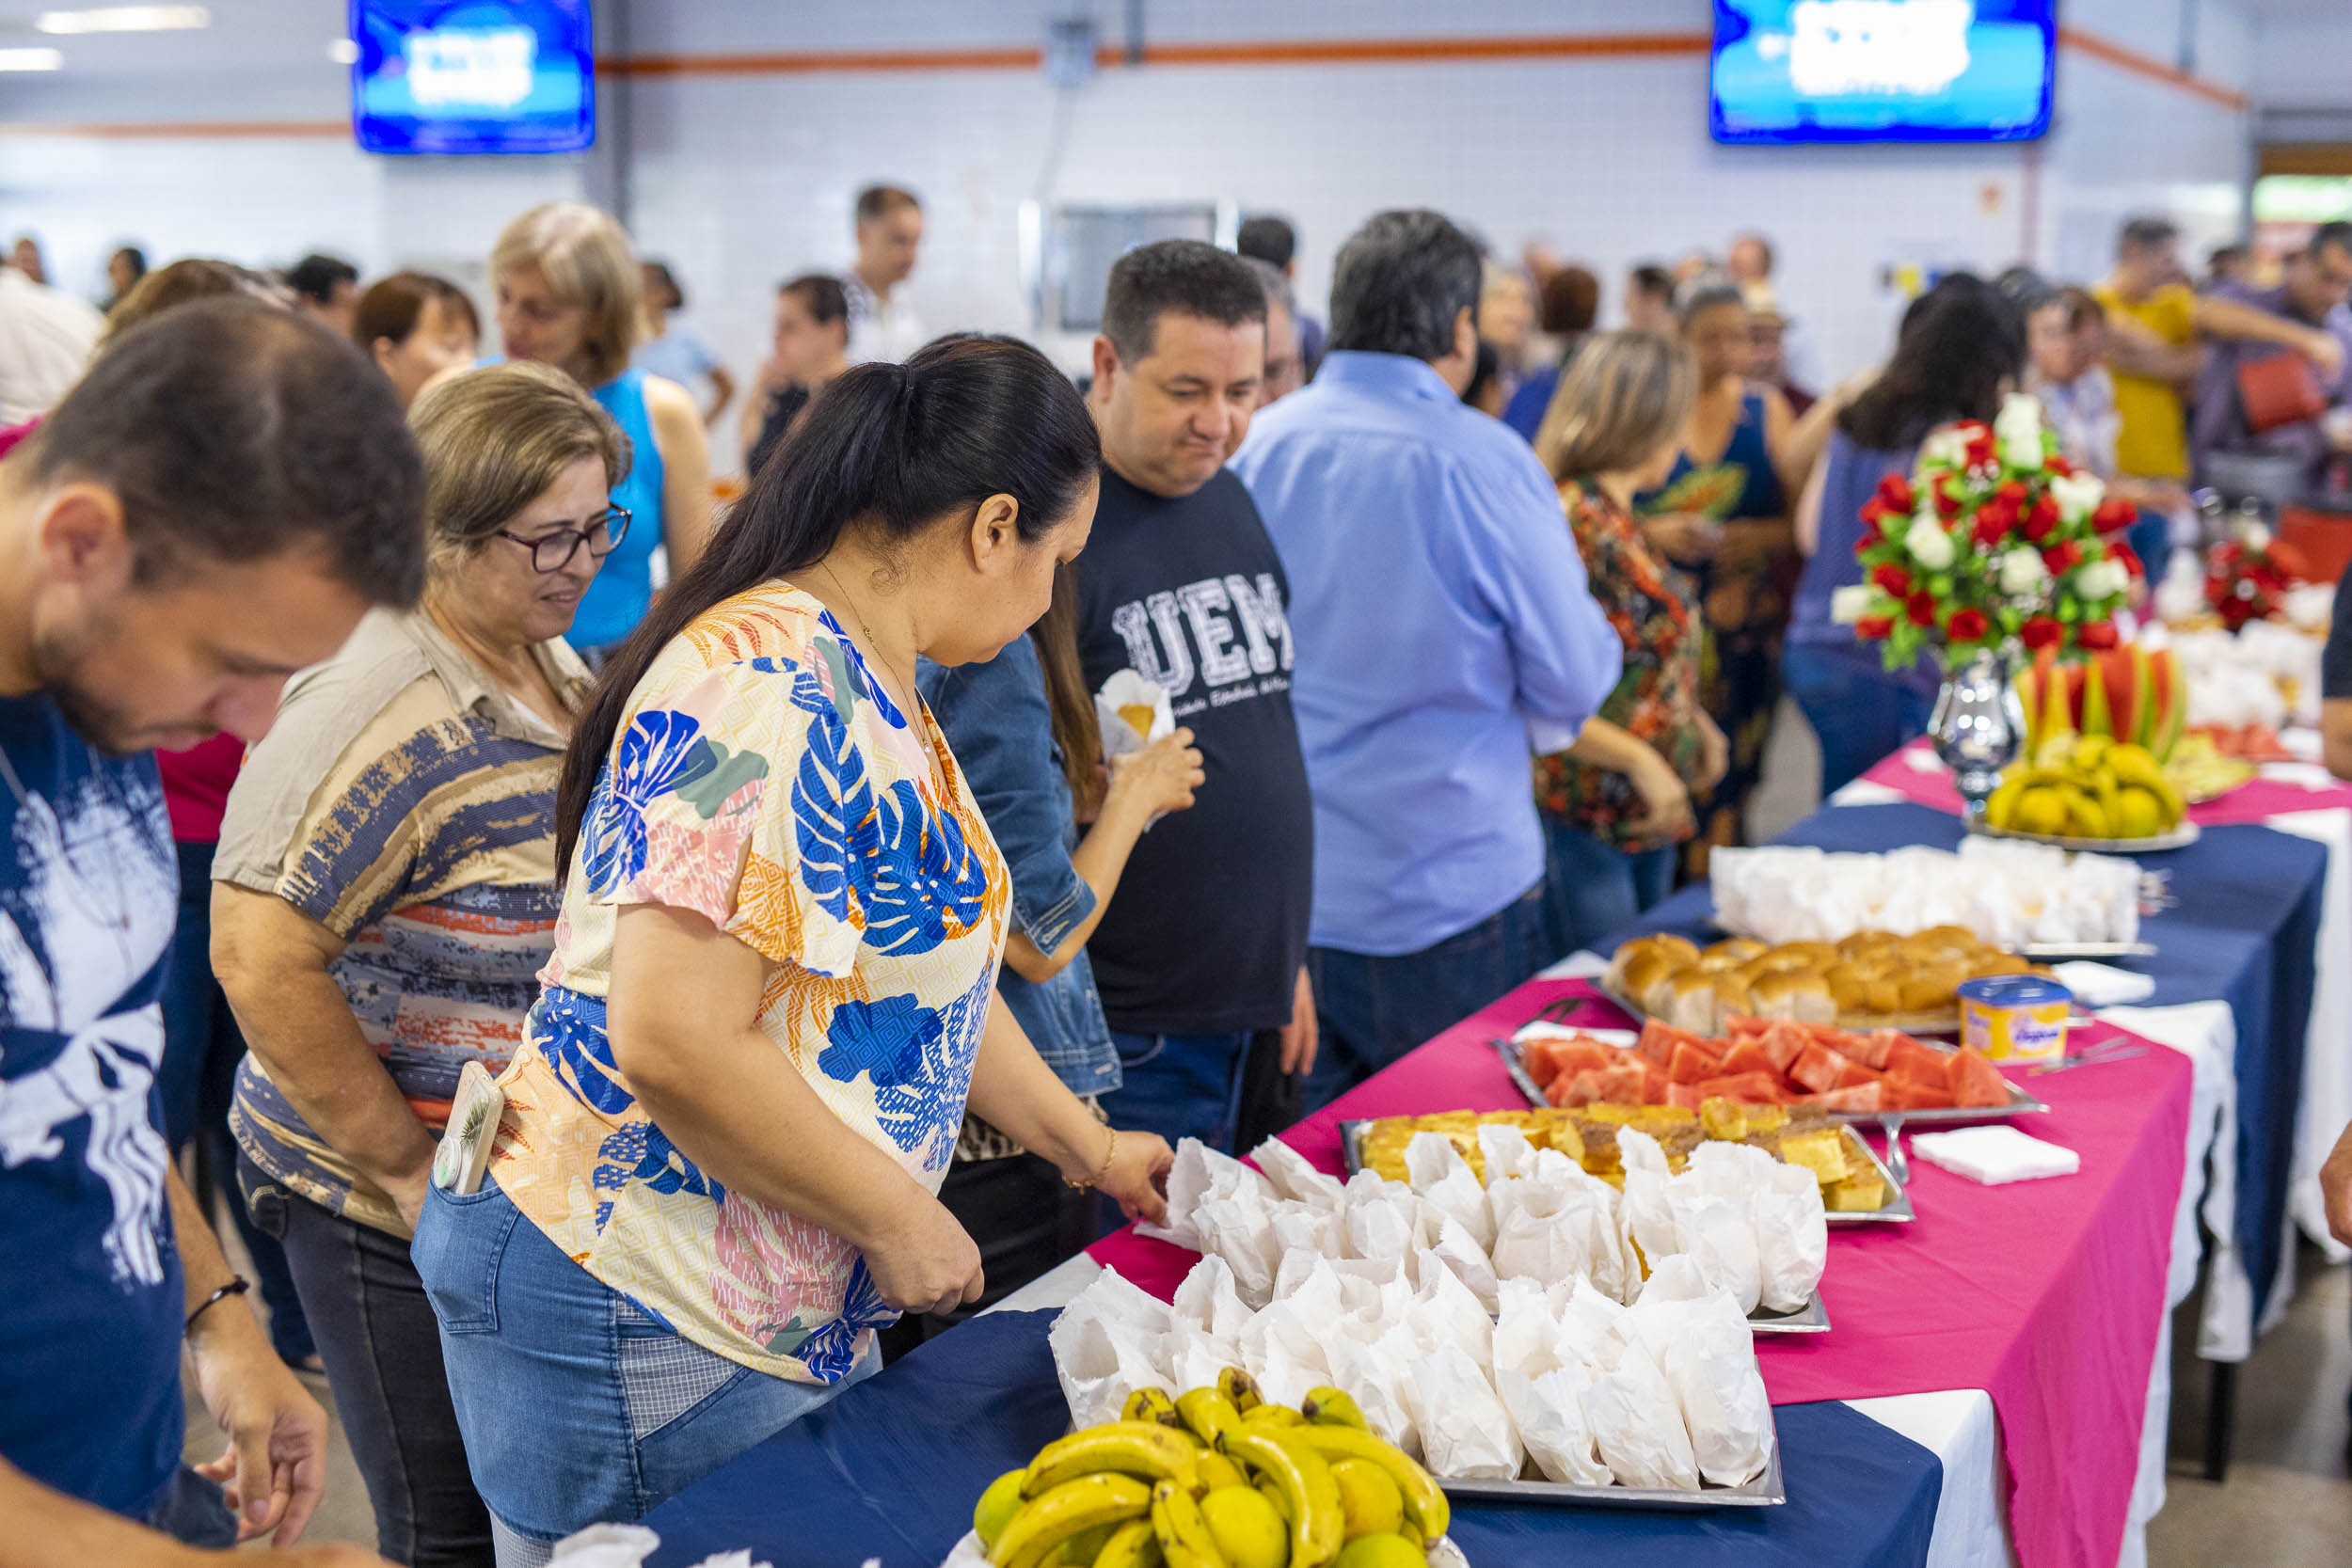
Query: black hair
[(658, 274), (1707, 293), (1650, 277), (1268, 239), (2336, 231), (1188, 278), (879, 201), (316, 276), (1399, 283), (2237, 252), (820, 295), (232, 430), (2024, 288), (136, 257), (1482, 373), (1960, 341), (887, 448), (2146, 232)]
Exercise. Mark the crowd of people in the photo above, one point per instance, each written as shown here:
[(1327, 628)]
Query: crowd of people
[(846, 953)]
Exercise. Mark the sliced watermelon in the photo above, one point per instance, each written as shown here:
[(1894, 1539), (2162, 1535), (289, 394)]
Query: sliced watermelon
[(2118, 678), (1658, 1040), (1854, 1074), (1819, 1069), (1904, 1095), (1748, 1056), (2171, 704), (1977, 1084), (1622, 1084), (1542, 1061), (1692, 1063), (1914, 1063), (1870, 1050), (1748, 1088), (1740, 1026), (1684, 1097), (1860, 1097), (1783, 1043), (1655, 1084)]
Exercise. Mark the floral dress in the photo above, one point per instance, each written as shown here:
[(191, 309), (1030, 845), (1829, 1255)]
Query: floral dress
[(762, 780), (1651, 605)]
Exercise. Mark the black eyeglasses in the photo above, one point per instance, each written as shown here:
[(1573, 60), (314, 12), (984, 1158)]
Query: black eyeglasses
[(553, 551)]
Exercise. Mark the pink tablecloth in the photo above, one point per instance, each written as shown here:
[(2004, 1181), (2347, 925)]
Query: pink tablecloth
[(2046, 1294), (2256, 802)]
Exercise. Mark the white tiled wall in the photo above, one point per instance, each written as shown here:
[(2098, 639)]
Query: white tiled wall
[(743, 180)]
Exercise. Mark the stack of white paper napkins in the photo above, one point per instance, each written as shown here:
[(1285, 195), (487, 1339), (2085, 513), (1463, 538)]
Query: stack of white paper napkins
[(2098, 985), (1994, 1154)]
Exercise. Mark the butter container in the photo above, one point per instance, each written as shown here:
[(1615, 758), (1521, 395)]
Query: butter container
[(2014, 1018)]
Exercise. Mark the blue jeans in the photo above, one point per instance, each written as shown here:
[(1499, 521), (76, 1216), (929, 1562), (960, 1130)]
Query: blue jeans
[(194, 1513), (578, 1407), (1591, 888), (1226, 1091), (1859, 712), (1373, 1009)]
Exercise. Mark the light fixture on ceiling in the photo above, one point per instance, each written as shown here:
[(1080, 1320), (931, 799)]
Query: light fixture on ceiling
[(31, 59), (125, 19), (344, 52)]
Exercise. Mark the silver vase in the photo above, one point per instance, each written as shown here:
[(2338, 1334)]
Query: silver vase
[(1979, 726)]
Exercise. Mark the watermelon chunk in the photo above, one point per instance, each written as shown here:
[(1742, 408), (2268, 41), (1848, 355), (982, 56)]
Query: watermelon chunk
[(1684, 1096), (1854, 1074), (1783, 1043), (1914, 1063), (1904, 1095), (1862, 1097), (1622, 1084), (1748, 1088), (1818, 1068), (1740, 1026), (1692, 1063), (1654, 1083), (1658, 1041), (1870, 1050), (1977, 1084), (1748, 1056), (1541, 1061)]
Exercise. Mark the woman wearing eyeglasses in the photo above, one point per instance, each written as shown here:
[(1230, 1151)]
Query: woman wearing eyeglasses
[(385, 896)]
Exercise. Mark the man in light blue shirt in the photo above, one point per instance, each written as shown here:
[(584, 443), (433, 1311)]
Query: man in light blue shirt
[(1435, 579)]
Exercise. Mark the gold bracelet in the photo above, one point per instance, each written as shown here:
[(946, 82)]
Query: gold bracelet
[(1101, 1170)]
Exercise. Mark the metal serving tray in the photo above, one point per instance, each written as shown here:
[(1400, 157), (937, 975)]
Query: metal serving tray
[(1765, 1491), (1897, 1210)]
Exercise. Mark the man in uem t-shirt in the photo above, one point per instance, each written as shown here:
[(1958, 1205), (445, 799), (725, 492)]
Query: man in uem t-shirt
[(1201, 957)]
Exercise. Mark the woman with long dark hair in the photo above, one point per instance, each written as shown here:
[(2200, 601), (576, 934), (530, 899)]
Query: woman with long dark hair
[(1961, 348), (1024, 731), (772, 995)]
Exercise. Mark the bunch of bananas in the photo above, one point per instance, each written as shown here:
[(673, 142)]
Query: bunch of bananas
[(2087, 787), (1215, 1478)]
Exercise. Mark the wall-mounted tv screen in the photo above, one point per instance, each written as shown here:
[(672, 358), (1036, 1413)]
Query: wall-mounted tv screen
[(1831, 70), (461, 76)]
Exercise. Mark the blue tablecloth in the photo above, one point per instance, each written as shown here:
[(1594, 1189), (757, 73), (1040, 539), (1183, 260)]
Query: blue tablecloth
[(2243, 929), (892, 1469)]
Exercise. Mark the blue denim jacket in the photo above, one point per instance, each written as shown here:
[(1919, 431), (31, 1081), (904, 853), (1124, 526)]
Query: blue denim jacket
[(997, 723)]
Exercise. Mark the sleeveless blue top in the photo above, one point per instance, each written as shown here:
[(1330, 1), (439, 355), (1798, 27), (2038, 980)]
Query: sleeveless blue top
[(1850, 475), (1760, 493), (616, 601)]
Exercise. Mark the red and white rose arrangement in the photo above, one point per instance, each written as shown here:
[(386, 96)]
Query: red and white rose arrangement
[(1993, 538)]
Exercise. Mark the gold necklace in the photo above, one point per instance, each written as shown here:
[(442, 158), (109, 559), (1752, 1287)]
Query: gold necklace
[(859, 615)]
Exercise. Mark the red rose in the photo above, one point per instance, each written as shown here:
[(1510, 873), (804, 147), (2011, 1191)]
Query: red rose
[(2118, 550), (1992, 527), (1896, 491), (1921, 606), (1947, 499), (2063, 557), (2045, 507), (2039, 525), (2114, 515), (2043, 631), (1892, 578), (1874, 628), (1966, 626), (2012, 492), (2095, 634), (2057, 465)]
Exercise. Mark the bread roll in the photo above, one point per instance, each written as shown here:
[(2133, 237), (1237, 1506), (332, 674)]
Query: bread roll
[(1739, 950), (1681, 949), (1809, 954), (1885, 995), (1866, 942), (1929, 989), (1849, 988), (1801, 994), (1732, 995), (1642, 972), (1689, 999)]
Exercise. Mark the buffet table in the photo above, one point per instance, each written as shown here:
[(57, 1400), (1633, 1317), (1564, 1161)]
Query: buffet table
[(2061, 1333)]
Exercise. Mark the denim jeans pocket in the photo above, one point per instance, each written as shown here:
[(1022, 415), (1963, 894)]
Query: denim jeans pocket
[(1136, 1051), (460, 1241)]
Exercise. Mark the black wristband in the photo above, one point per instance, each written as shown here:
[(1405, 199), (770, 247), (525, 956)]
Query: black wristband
[(237, 1286)]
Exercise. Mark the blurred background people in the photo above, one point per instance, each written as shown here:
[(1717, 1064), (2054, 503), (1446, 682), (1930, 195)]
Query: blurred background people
[(1569, 303), (125, 267), (1285, 358), (569, 297), (1750, 261), (1649, 300), (327, 288), (1267, 238), (46, 336), (809, 348), (25, 257), (883, 324), (2314, 280), (673, 352), (416, 326)]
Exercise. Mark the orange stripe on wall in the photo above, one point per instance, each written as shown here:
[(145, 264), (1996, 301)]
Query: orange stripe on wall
[(830, 61), (169, 129), (2149, 65)]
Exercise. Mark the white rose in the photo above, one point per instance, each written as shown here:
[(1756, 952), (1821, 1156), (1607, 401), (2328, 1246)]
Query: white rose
[(2077, 495), (2017, 429), (1851, 604), (1947, 447), (2101, 579), (2257, 537), (1929, 544), (2023, 573)]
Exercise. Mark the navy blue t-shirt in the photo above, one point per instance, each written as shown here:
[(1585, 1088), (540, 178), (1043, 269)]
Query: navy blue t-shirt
[(90, 1322)]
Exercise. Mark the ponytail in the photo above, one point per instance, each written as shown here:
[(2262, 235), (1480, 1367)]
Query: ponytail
[(892, 449)]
